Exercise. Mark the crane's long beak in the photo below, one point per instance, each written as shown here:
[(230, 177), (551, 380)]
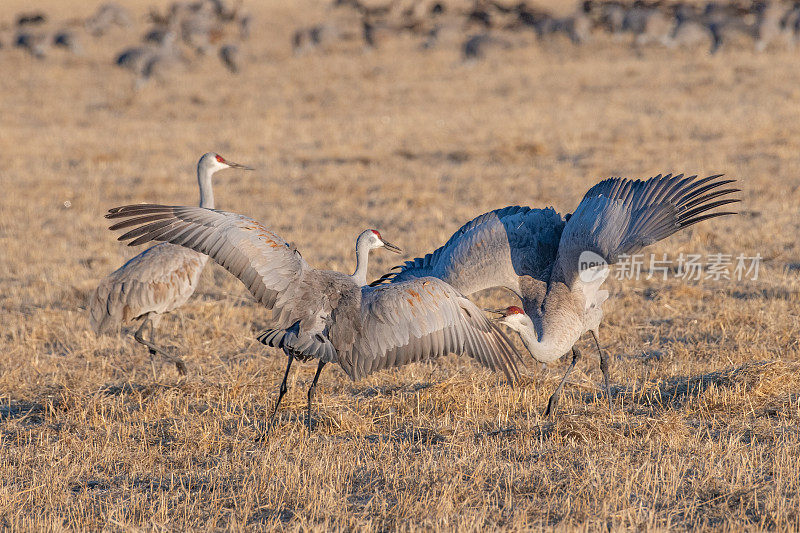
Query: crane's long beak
[(237, 165), (392, 248)]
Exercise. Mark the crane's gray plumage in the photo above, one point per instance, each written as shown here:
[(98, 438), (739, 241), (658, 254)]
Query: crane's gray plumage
[(229, 54), (536, 252), (106, 16), (621, 216), (507, 247), (158, 280), (326, 314)]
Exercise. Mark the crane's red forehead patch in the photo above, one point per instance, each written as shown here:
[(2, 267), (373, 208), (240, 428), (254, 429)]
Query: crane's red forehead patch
[(514, 310), (377, 234), (221, 159)]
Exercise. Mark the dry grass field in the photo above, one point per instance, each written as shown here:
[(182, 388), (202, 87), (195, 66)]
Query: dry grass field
[(706, 374)]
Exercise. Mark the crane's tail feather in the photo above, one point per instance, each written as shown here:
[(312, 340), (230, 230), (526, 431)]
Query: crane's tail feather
[(107, 308), (303, 346), (272, 337)]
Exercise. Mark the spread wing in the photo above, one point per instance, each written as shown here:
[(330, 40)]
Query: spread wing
[(264, 262), (492, 250), (424, 319), (620, 216)]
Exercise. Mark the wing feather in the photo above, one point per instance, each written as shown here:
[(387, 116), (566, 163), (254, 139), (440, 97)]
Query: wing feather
[(423, 319), (491, 250), (262, 260), (620, 216)]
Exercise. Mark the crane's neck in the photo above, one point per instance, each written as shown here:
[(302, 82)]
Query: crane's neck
[(550, 330), (204, 174), (544, 352), (362, 258)]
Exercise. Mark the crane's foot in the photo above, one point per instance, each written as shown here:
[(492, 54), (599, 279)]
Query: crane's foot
[(155, 350), (552, 405), (180, 366), (264, 434)]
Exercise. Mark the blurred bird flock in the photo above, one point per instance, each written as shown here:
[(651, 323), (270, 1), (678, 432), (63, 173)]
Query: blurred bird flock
[(185, 30), (412, 116)]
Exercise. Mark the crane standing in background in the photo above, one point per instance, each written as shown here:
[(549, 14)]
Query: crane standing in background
[(158, 280)]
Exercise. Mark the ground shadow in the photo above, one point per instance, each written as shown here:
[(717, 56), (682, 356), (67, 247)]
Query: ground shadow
[(675, 392)]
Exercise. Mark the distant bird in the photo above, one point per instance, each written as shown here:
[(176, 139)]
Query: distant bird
[(475, 46), (35, 43), (159, 34), (245, 27), (724, 21), (134, 58), (106, 16), (368, 33), (66, 39), (31, 19), (306, 39), (612, 17), (656, 27), (791, 24), (200, 28), (539, 255), (147, 59), (327, 315), (689, 30), (769, 26), (158, 280), (229, 54)]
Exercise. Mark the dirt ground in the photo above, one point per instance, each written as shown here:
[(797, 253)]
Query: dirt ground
[(705, 373)]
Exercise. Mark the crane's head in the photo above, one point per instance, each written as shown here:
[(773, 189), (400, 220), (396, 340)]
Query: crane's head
[(513, 317), (372, 239), (212, 162)]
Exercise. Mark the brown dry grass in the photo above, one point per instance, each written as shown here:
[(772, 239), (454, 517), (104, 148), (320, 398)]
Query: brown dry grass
[(706, 374)]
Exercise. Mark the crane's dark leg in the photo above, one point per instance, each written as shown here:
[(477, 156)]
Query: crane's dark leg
[(552, 403), (604, 369), (177, 361), (311, 392), (281, 392), (155, 350)]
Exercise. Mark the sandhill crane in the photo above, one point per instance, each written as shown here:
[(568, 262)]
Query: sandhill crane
[(147, 59), (158, 280), (68, 40), (106, 16), (689, 29), (536, 254), (327, 315), (229, 54), (31, 19), (770, 24), (35, 43)]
